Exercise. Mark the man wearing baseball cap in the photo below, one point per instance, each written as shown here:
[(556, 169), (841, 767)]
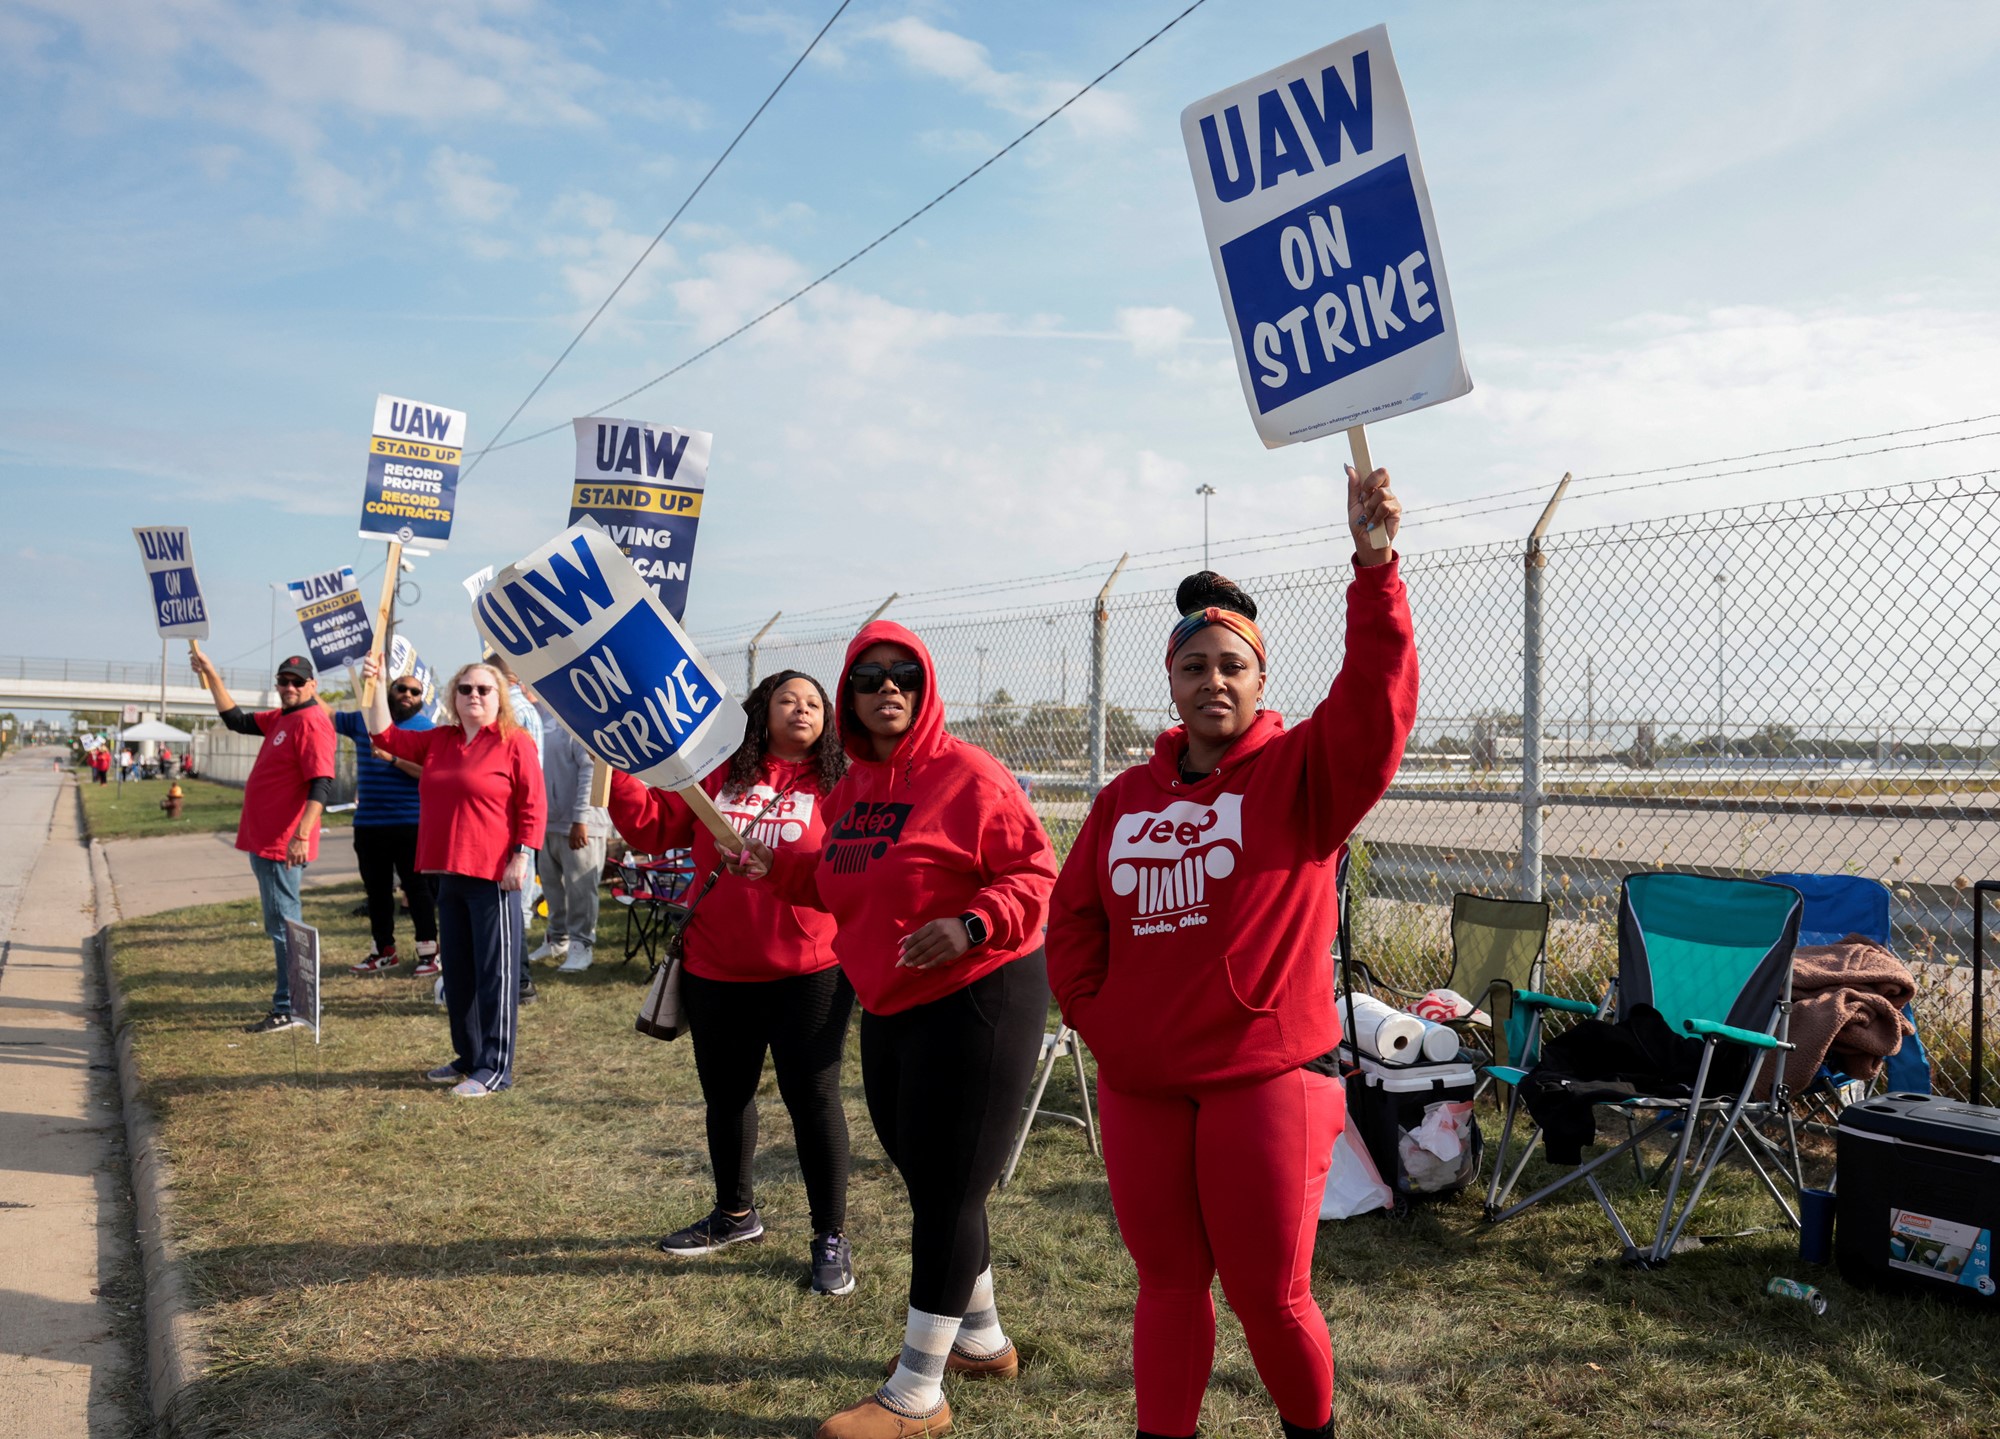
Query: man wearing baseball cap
[(288, 787)]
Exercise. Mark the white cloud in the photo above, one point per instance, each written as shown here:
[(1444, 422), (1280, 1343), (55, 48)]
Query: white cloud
[(466, 185), (1156, 332), (967, 64)]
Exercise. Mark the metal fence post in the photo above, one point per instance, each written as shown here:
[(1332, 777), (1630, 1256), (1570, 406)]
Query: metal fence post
[(1531, 702), (1100, 647), (750, 673)]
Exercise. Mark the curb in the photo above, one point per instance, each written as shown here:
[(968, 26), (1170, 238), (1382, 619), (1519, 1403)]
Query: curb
[(173, 1357)]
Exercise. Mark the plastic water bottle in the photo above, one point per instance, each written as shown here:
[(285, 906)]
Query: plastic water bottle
[(1804, 1293)]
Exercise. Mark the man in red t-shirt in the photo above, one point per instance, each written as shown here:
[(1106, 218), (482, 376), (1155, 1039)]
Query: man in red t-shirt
[(288, 788)]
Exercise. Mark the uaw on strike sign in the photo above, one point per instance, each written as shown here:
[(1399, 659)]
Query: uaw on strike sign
[(643, 483), (413, 458), (580, 626), (1320, 229), (178, 611)]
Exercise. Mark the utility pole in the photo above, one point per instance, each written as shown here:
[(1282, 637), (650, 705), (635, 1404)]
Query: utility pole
[(979, 697), (1207, 493), (1721, 657)]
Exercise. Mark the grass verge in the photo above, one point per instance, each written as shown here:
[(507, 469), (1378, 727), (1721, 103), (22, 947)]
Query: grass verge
[(133, 810), (373, 1258)]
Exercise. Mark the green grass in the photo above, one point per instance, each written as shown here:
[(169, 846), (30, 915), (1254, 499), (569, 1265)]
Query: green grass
[(135, 812), (373, 1258)]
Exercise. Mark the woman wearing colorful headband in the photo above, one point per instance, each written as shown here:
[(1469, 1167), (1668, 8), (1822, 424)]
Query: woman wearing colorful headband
[(760, 974), (938, 871), (1189, 945)]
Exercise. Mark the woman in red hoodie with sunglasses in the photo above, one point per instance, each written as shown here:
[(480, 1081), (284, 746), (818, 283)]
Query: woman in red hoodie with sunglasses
[(1189, 944), (937, 871)]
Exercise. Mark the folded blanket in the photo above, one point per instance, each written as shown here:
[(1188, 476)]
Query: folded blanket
[(1847, 1001)]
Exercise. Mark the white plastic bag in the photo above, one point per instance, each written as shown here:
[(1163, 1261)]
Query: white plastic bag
[(1433, 1155), (1353, 1184)]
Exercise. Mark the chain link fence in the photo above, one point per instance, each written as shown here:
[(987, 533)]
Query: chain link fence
[(1801, 686)]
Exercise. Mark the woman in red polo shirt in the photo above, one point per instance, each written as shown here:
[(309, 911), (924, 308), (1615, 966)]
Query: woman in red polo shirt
[(1188, 944), (482, 803), (760, 974)]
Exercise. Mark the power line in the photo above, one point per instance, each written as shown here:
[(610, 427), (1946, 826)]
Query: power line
[(880, 239), (699, 185)]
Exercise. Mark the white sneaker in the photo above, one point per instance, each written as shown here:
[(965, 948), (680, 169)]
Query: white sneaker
[(580, 956), (551, 949)]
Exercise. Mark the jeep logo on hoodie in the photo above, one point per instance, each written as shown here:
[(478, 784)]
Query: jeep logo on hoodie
[(1166, 858), (864, 833)]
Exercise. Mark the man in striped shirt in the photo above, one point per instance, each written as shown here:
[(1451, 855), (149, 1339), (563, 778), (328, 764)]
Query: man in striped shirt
[(385, 833)]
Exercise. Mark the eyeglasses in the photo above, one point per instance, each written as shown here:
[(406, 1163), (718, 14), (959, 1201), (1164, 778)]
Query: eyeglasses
[(291, 682), (868, 679), (475, 689)]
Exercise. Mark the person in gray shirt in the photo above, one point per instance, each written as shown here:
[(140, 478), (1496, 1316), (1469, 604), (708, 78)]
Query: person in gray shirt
[(572, 858)]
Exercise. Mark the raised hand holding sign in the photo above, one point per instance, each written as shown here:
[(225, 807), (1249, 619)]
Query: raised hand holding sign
[(578, 624)]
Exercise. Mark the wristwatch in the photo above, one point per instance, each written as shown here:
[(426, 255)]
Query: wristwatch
[(526, 849), (976, 932)]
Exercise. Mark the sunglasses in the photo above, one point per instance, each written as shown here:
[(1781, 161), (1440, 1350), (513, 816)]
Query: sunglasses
[(408, 692), (291, 682), (906, 675), (475, 689)]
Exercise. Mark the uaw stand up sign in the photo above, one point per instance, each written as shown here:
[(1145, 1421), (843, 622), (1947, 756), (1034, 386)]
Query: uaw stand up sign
[(413, 458), (1320, 229), (593, 639)]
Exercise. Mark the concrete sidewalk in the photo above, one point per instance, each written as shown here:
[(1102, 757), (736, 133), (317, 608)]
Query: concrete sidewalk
[(69, 1326), (177, 870)]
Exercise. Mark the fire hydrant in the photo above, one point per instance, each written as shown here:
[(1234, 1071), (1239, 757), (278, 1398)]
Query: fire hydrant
[(172, 803)]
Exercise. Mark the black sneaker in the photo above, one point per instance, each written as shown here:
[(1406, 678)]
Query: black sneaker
[(529, 994), (273, 1022), (832, 1264), (714, 1230)]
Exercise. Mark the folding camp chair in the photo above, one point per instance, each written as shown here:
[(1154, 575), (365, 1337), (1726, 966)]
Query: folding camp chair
[(1055, 1047), (651, 891), (1714, 957), (1836, 906)]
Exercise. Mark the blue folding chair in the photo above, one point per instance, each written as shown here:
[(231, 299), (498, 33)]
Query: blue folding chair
[(1838, 905), (1714, 957)]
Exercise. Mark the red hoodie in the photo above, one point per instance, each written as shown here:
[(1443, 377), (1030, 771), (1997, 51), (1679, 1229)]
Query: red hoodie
[(937, 830), (1191, 930), (742, 930)]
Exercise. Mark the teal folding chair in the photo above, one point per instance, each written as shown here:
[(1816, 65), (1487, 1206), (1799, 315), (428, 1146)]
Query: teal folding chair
[(1714, 957)]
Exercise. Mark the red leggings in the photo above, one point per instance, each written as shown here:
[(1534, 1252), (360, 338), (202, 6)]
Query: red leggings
[(1227, 1181)]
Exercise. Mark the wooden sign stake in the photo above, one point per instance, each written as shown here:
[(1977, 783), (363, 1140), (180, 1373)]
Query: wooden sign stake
[(1357, 444), (600, 784), (391, 574), (726, 837)]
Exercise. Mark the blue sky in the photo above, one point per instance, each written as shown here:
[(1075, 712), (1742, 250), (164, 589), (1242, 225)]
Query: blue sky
[(1671, 232)]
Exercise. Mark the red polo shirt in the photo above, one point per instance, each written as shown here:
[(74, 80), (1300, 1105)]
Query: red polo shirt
[(480, 799), (298, 748)]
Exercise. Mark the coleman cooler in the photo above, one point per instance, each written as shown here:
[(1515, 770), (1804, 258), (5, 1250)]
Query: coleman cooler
[(1416, 1121), (1919, 1196)]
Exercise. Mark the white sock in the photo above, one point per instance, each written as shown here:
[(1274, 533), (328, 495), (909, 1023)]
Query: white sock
[(917, 1386), (979, 1333)]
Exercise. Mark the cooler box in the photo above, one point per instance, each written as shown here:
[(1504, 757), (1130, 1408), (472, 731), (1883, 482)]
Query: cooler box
[(1416, 1121), (1919, 1196)]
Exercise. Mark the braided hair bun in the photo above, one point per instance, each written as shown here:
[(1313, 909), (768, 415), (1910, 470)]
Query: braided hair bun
[(1200, 591)]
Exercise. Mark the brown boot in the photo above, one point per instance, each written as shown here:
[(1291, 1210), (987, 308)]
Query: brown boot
[(871, 1419), (1004, 1365)]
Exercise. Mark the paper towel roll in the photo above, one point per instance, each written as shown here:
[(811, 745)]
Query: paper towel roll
[(1382, 1032)]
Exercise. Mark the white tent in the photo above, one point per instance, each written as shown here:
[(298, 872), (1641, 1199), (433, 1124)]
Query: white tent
[(153, 729)]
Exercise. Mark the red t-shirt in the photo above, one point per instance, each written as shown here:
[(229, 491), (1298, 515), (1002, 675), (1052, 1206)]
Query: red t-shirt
[(298, 748), (480, 799)]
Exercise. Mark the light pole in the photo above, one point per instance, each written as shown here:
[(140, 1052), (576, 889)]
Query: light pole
[(980, 696), (1207, 493)]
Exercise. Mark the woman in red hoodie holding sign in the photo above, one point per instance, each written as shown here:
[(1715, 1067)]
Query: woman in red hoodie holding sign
[(760, 974), (937, 871), (1189, 945)]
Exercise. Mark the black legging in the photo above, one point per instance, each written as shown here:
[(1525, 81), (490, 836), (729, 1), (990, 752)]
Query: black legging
[(386, 853), (946, 1082), (803, 1022)]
